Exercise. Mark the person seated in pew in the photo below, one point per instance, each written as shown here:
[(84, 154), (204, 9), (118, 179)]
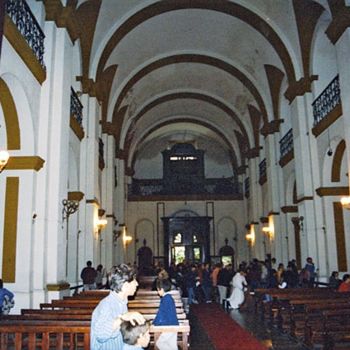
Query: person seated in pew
[(135, 337), (6, 300), (334, 280), (166, 316), (112, 310), (345, 285)]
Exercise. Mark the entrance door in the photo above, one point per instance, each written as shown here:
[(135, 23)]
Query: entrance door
[(186, 238)]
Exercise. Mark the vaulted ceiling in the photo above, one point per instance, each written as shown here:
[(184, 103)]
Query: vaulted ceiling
[(182, 70)]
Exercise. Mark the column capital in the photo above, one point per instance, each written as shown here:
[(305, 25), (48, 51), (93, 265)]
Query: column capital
[(299, 87), (272, 127), (340, 21)]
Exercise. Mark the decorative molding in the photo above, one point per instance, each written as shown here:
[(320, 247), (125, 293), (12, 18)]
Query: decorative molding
[(337, 160), (11, 118), (75, 196), (264, 219), (328, 120), (64, 17), (56, 287), (333, 191), (289, 209), (272, 127), (93, 201), (192, 197), (107, 128), (77, 128), (307, 15), (299, 88), (242, 169), (20, 45), (10, 230), (25, 163), (273, 213), (120, 154), (286, 159), (340, 21), (101, 212), (253, 152), (274, 77), (305, 198)]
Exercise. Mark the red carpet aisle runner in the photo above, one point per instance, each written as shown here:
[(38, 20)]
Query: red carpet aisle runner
[(223, 331)]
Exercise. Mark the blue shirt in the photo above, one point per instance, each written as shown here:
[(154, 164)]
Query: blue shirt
[(3, 293), (102, 335), (166, 315)]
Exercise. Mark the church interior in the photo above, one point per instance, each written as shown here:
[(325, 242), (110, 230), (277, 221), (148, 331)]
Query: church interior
[(152, 132)]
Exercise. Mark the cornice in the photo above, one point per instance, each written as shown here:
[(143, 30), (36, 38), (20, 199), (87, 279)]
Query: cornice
[(289, 209), (25, 163), (299, 88), (75, 196), (272, 127), (333, 191), (340, 22)]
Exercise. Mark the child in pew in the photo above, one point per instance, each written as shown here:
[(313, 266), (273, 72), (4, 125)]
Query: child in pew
[(135, 337), (166, 316)]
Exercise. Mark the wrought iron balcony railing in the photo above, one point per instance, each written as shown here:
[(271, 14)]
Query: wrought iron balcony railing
[(327, 101), (22, 17), (76, 108), (286, 143), (262, 171), (151, 187), (247, 187)]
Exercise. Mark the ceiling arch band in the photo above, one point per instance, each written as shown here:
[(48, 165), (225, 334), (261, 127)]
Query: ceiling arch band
[(188, 95), (223, 6), (181, 120)]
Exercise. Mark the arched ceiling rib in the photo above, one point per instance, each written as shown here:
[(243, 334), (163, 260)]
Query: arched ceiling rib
[(132, 152), (192, 58), (223, 6), (189, 95)]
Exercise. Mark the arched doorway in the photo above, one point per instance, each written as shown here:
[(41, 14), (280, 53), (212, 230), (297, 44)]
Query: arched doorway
[(187, 238)]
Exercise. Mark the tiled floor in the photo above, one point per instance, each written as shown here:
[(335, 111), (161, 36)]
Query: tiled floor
[(247, 319)]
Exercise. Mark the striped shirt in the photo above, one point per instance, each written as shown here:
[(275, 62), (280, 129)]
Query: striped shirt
[(103, 337)]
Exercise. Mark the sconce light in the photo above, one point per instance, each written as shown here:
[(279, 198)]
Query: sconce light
[(345, 202), (101, 223), (268, 231), (250, 237), (4, 157), (126, 238)]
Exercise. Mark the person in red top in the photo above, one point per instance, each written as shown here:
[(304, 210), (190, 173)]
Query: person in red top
[(345, 285)]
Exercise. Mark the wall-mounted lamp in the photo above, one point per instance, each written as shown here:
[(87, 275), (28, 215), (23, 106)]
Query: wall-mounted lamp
[(69, 208), (345, 202), (269, 231), (4, 157), (126, 238), (101, 223), (250, 237)]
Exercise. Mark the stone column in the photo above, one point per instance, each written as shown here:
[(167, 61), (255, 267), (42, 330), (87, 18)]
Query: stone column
[(53, 142)]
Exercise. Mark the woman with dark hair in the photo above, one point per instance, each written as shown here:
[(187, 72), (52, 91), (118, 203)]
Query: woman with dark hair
[(112, 311)]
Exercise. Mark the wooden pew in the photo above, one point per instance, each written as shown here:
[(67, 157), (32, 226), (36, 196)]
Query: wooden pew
[(45, 335)]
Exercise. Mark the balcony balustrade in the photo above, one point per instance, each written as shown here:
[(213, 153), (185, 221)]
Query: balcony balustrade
[(326, 101), (247, 187), (262, 172), (150, 187), (286, 143), (76, 108), (22, 17)]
